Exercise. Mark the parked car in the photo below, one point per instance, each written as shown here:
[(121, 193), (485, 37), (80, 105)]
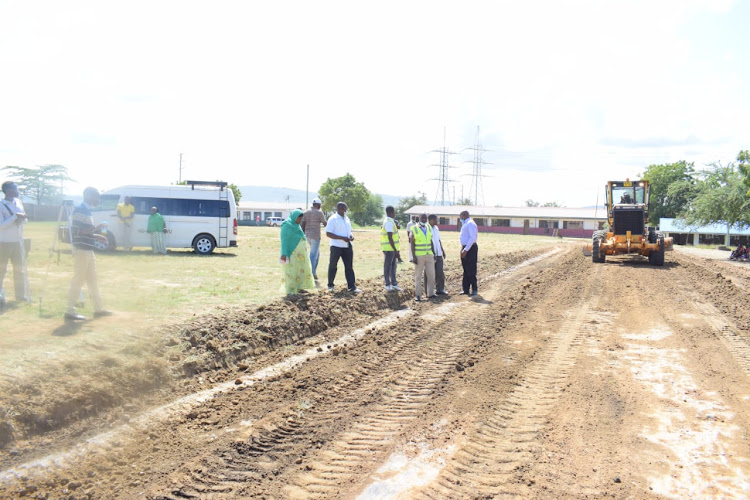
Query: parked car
[(274, 221)]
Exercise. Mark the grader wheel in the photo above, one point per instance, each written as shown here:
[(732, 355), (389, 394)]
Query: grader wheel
[(596, 254)]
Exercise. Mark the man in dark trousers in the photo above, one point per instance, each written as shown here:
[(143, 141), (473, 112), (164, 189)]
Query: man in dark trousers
[(339, 230), (469, 250)]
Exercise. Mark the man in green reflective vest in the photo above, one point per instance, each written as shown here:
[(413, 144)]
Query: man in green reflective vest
[(424, 257), (389, 243)]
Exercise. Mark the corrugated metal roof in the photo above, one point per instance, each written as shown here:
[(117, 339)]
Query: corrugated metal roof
[(512, 212), (679, 226)]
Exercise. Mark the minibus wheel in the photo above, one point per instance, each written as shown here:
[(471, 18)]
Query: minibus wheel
[(204, 244)]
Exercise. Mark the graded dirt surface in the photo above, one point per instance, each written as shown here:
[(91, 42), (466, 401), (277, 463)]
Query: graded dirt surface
[(561, 379)]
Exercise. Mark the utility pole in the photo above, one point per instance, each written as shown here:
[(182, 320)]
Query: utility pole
[(179, 177), (476, 170), (307, 187), (443, 193)]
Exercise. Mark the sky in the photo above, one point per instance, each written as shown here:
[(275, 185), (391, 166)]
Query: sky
[(562, 95)]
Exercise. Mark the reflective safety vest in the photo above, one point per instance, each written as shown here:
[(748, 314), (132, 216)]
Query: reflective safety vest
[(385, 244), (422, 242)]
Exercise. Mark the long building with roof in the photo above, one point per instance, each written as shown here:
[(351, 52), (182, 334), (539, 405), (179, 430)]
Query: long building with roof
[(711, 234), (552, 221)]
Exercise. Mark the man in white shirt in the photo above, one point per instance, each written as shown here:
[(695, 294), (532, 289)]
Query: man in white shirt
[(12, 219), (339, 231), (437, 244), (469, 251)]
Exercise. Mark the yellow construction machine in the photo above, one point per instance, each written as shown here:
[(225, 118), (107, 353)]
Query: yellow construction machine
[(628, 232)]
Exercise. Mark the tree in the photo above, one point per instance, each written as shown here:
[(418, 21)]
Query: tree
[(531, 203), (346, 189), (408, 202), (465, 201), (552, 204), (672, 186), (743, 162), (372, 213), (41, 184), (721, 198), (236, 191)]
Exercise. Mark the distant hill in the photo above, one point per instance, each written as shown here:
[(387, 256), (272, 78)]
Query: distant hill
[(284, 195)]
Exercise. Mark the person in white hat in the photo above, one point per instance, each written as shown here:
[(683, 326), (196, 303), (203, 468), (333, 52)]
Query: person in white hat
[(311, 223)]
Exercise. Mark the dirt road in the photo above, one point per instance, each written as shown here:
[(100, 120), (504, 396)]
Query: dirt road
[(562, 379)]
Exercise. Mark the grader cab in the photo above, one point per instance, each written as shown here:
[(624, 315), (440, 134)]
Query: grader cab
[(628, 232)]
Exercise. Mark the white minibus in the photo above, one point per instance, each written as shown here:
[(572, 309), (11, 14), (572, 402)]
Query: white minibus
[(201, 215)]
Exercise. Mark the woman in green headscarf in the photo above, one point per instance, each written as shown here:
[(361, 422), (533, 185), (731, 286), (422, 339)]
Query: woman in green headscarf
[(296, 271)]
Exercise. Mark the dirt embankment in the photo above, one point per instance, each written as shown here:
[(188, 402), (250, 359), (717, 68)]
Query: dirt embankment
[(59, 403)]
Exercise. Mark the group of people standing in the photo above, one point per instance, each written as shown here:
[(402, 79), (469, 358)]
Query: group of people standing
[(84, 238), (426, 251), (299, 270), (156, 226)]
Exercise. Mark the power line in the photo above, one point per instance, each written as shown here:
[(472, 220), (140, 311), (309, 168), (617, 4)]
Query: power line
[(443, 180), (476, 171)]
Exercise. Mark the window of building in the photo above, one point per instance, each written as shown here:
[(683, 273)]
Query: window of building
[(277, 214), (266, 215), (501, 222), (480, 221), (443, 221), (572, 224), (257, 215), (247, 216), (549, 224)]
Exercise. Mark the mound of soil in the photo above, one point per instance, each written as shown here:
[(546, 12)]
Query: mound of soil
[(218, 344)]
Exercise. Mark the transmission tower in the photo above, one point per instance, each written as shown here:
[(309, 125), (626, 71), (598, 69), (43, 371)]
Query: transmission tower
[(476, 171), (443, 195)]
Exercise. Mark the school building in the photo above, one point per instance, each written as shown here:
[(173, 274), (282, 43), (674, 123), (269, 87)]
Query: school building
[(712, 234), (552, 221), (252, 213)]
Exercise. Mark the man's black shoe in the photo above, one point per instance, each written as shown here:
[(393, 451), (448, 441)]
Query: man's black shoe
[(74, 317), (472, 294)]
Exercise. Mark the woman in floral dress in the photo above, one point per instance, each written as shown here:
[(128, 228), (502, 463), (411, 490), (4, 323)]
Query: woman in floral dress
[(296, 271)]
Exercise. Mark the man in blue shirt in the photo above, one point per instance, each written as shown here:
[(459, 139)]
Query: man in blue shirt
[(469, 250), (83, 233)]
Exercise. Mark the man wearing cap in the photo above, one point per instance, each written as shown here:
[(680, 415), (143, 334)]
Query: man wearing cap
[(311, 221)]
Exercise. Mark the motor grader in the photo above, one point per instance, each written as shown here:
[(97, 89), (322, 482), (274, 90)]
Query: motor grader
[(628, 232)]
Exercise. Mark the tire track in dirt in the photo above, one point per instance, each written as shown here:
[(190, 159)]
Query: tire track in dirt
[(402, 403), (735, 343), (498, 448), (226, 470), (402, 379)]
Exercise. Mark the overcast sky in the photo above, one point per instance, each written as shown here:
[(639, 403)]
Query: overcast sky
[(566, 95)]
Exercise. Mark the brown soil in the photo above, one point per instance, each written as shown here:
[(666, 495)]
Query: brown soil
[(562, 379)]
